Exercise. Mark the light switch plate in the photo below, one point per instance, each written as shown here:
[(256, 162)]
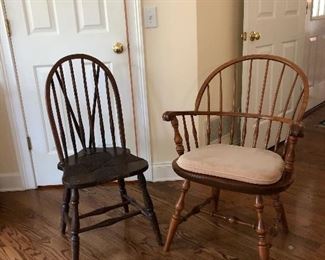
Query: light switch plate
[(150, 17)]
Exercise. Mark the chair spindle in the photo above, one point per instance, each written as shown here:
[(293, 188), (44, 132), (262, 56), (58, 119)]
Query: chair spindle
[(257, 127), (278, 136), (186, 135), (244, 131), (111, 119), (100, 113), (84, 77), (208, 131), (268, 132), (221, 108), (232, 129), (75, 91), (58, 114), (194, 132), (69, 110)]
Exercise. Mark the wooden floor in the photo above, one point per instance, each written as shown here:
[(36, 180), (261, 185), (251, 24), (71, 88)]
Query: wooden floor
[(29, 220)]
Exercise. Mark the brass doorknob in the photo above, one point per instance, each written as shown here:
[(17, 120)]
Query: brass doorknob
[(118, 48), (243, 36), (254, 36)]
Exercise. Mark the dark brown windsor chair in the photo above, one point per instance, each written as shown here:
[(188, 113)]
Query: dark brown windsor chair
[(83, 102), (254, 160)]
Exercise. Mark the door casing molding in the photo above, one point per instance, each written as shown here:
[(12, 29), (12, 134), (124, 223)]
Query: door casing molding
[(9, 81), (138, 79)]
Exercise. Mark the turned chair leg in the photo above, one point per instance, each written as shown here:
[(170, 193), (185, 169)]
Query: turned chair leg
[(215, 193), (281, 215), (176, 218), (75, 224), (65, 209), (263, 246), (149, 207), (123, 193)]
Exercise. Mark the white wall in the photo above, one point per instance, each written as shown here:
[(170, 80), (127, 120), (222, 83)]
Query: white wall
[(171, 63), (219, 25), (8, 161), (9, 173), (192, 38)]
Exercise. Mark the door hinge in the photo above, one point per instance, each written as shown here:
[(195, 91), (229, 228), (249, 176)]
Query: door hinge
[(29, 143), (8, 28)]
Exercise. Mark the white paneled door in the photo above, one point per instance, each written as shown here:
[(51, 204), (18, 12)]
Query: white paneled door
[(314, 54), (42, 31), (272, 27)]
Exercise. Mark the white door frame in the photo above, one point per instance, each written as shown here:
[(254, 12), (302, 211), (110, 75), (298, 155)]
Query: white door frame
[(14, 99)]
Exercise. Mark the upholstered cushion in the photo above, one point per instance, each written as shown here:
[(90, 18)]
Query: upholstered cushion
[(251, 165)]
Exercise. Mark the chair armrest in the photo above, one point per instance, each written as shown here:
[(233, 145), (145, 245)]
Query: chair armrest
[(169, 115), (178, 139)]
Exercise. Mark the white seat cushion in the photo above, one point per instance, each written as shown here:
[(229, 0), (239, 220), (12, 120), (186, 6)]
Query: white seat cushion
[(251, 165)]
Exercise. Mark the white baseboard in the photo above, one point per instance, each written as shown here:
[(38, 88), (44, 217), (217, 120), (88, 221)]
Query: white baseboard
[(10, 182), (163, 172)]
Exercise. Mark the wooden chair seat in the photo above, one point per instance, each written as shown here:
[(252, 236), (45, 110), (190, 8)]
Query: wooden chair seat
[(233, 185), (100, 166)]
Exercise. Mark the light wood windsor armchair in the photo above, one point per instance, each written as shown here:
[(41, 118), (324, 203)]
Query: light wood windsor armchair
[(85, 114), (253, 161)]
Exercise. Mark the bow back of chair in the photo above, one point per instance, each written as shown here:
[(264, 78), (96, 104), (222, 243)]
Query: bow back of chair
[(253, 100), (83, 105)]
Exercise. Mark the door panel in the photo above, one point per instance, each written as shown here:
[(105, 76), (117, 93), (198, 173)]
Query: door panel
[(281, 27), (91, 16), (314, 56), (44, 31), (39, 16)]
